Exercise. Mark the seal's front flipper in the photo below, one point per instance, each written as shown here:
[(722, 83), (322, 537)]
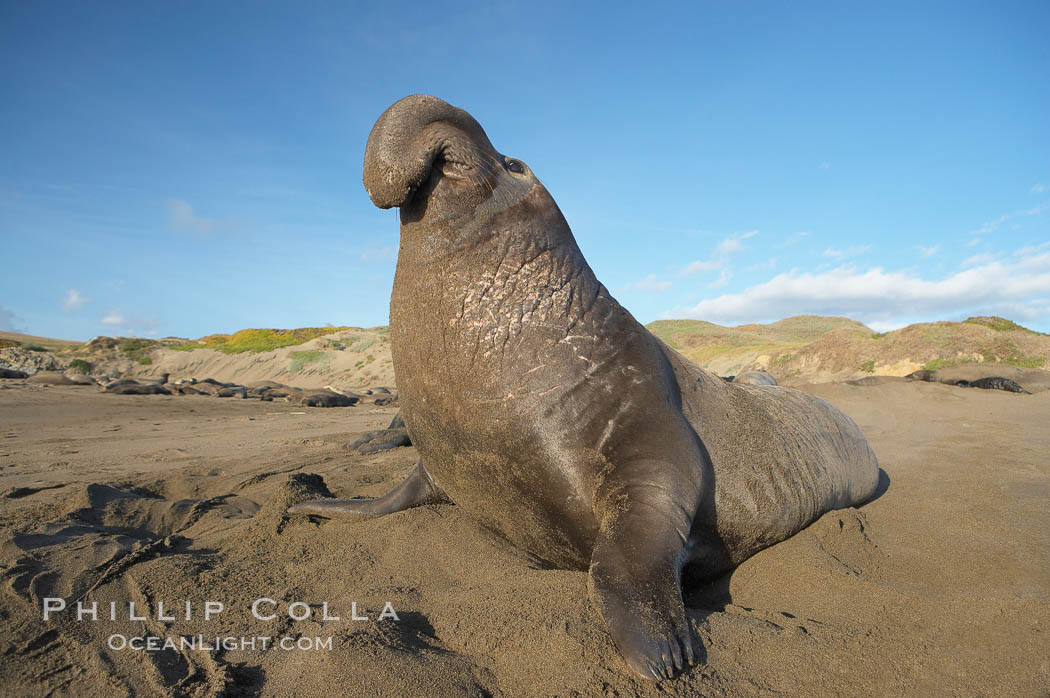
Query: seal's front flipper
[(635, 582), (415, 490)]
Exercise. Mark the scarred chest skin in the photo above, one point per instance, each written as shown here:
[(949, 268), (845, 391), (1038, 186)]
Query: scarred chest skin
[(503, 389)]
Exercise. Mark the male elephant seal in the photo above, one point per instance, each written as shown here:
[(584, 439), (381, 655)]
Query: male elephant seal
[(546, 411), (755, 378)]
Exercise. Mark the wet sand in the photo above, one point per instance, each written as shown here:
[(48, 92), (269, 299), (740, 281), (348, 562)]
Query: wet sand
[(940, 586)]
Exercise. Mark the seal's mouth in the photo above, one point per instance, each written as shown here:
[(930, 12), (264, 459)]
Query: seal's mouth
[(454, 168)]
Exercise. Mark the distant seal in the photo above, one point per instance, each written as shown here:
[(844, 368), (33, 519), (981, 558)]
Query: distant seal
[(990, 376), (53, 378), (394, 436), (546, 411), (755, 378), (326, 399), (139, 389), (12, 373), (113, 385), (876, 380), (993, 383), (924, 375)]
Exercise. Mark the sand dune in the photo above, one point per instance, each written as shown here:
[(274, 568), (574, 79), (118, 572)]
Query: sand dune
[(939, 586)]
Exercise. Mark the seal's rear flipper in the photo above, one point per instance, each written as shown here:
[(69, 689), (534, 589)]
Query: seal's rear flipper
[(415, 490)]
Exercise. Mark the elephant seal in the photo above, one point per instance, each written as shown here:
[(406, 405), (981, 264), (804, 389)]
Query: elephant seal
[(53, 378), (394, 436), (546, 411), (993, 383), (327, 399), (925, 375), (139, 389), (755, 378)]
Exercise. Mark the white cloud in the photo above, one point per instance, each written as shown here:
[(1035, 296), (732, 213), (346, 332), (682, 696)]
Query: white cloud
[(929, 251), (732, 245), (651, 284), (114, 318), (1018, 289), (1038, 188), (131, 325), (983, 258), (722, 280), (991, 225), (973, 242), (183, 217), (1032, 249), (729, 246), (74, 301), (886, 325), (847, 253), (794, 237), (770, 263), (703, 267)]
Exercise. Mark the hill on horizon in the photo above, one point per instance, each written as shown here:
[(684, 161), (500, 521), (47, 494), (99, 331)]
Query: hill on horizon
[(799, 349), (817, 349)]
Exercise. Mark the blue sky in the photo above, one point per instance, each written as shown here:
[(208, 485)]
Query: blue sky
[(189, 168)]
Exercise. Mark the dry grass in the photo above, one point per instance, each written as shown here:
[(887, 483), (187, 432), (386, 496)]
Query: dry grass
[(813, 348)]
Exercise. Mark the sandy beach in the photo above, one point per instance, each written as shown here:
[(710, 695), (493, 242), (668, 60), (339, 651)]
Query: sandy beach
[(940, 586)]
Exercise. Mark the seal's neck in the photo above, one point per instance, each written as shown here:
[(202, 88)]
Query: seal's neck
[(493, 256), (493, 279)]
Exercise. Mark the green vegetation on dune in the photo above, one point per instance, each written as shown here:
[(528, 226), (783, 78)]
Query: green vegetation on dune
[(80, 366), (359, 342), (818, 347), (805, 328), (670, 330), (135, 348), (1014, 360), (733, 348), (301, 358), (1000, 324), (1026, 361), (799, 329), (257, 340), (17, 339)]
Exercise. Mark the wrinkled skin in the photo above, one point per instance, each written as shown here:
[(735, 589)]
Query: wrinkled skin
[(546, 411)]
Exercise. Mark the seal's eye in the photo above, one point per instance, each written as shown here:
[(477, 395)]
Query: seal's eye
[(515, 167)]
